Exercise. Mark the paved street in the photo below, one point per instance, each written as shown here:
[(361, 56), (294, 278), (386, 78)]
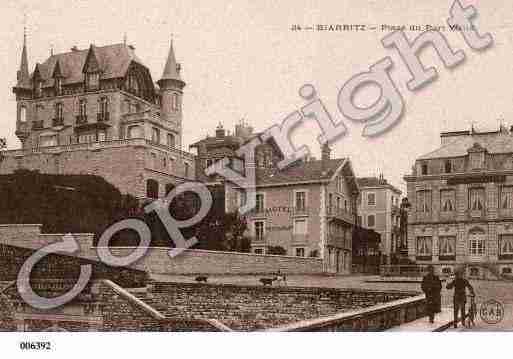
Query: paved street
[(485, 290)]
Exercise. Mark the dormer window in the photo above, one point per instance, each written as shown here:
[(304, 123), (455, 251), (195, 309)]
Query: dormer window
[(93, 81), (476, 160), (38, 88)]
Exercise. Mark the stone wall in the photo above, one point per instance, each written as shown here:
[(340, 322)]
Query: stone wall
[(257, 307), (379, 317), (157, 260)]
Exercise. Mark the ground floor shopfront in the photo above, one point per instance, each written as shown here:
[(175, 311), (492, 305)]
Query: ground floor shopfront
[(484, 249)]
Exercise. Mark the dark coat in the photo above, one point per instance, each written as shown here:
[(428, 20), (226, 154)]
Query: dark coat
[(460, 285), (432, 287)]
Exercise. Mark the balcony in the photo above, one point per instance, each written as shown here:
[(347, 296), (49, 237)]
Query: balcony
[(81, 119), (37, 125), (57, 122), (300, 211), (103, 116), (341, 214)]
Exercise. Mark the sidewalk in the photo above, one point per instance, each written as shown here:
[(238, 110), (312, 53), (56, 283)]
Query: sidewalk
[(442, 321)]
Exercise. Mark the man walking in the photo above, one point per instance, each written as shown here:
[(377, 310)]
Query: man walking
[(460, 285), (432, 286)]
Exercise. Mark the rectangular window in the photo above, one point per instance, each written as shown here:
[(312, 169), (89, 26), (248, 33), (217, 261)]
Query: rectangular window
[(371, 220), (424, 201), (259, 207), (424, 169), (477, 246), (424, 246), (242, 198), (507, 197), (300, 201), (476, 199), (447, 200), (170, 140), (259, 230), (259, 251), (300, 226), (209, 162), (447, 245), (300, 252), (330, 203), (102, 136), (371, 199)]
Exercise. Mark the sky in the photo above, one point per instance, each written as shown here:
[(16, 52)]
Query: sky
[(240, 59)]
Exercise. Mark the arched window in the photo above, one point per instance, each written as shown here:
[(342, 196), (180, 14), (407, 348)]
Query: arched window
[(23, 114), (152, 189)]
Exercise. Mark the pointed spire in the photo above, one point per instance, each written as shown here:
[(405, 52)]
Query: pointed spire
[(91, 63), (23, 73), (172, 68), (57, 72)]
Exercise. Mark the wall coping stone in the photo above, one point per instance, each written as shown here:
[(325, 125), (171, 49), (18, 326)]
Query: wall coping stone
[(306, 325)]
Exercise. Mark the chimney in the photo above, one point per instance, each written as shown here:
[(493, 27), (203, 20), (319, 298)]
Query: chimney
[(220, 131), (325, 152)]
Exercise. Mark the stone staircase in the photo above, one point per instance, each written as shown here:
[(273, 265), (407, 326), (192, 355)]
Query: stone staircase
[(145, 295)]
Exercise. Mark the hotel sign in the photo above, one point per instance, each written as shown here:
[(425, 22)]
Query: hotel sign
[(476, 179)]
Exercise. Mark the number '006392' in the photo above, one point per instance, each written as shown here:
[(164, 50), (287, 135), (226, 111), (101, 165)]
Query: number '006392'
[(35, 346)]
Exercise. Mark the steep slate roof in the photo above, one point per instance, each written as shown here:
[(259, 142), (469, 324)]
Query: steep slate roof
[(171, 71), (492, 142), (318, 170), (113, 60)]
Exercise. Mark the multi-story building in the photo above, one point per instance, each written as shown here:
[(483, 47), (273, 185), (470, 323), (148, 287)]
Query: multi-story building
[(461, 197), (98, 111), (308, 209), (379, 210)]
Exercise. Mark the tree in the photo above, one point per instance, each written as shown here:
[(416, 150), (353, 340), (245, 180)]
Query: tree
[(223, 232)]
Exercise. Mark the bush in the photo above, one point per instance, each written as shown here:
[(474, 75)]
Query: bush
[(276, 250)]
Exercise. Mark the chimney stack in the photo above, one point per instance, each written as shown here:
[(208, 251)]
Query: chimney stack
[(325, 152), (220, 131)]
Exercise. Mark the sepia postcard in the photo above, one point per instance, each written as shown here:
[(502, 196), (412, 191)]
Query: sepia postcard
[(242, 167)]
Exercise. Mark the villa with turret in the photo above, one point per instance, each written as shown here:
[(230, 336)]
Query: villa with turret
[(98, 111)]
